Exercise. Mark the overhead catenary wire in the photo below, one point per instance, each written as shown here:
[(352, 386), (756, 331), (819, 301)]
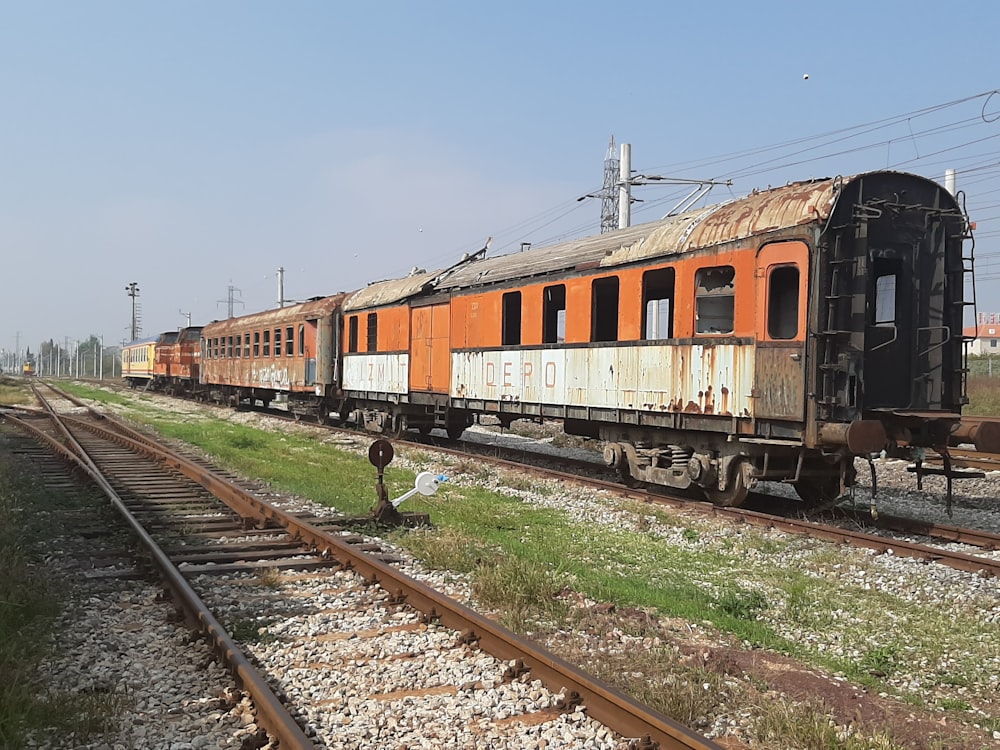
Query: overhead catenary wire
[(785, 155)]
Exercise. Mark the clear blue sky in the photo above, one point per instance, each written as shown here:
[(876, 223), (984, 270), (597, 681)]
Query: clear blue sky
[(194, 146)]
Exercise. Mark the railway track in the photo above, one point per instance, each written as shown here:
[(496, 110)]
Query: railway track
[(598, 476), (972, 459), (523, 460), (345, 593)]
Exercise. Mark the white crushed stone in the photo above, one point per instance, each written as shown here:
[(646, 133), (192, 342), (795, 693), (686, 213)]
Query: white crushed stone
[(340, 698)]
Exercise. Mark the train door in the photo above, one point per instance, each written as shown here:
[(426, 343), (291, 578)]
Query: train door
[(430, 349), (316, 350), (889, 327), (780, 277)]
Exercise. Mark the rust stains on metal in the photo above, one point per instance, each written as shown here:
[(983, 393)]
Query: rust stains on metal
[(314, 309), (390, 291), (791, 205), (760, 212)]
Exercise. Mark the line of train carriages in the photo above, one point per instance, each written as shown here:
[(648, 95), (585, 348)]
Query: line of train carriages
[(773, 337)]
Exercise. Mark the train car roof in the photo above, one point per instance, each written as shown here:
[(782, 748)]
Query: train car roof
[(392, 290), (760, 212), (319, 307), (141, 342), (190, 333)]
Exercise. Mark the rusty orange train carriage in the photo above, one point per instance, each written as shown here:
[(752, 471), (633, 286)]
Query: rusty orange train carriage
[(773, 337), (177, 359), (289, 351)]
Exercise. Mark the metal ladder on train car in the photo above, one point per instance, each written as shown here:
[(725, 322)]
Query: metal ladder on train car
[(842, 273), (960, 276), (966, 274)]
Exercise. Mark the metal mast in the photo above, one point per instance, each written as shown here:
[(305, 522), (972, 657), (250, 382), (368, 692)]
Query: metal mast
[(231, 300), (609, 193), (133, 291)]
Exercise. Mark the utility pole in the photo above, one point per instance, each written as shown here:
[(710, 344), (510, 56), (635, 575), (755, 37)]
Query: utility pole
[(627, 180), (610, 194), (281, 286), (187, 315), (625, 188), (231, 300), (133, 291)]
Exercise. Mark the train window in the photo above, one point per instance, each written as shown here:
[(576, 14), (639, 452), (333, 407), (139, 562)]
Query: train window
[(657, 301), (289, 341), (604, 309), (238, 348), (277, 342), (715, 299), (229, 347), (352, 333), (885, 299), (246, 345), (510, 326), (267, 343), (256, 343), (783, 303), (554, 314), (302, 340), (372, 332)]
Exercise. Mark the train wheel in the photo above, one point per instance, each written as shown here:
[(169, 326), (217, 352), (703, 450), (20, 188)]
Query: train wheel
[(822, 490), (819, 492), (734, 494), (626, 476), (425, 429), (397, 426), (456, 424)]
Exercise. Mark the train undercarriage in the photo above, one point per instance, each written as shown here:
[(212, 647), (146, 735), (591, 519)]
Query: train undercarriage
[(724, 467)]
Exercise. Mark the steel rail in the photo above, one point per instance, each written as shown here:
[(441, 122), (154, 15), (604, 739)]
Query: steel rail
[(957, 560), (271, 713), (985, 539), (603, 702)]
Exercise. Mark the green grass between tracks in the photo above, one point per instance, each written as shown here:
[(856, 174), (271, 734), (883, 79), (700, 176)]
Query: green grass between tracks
[(524, 557), (30, 601)]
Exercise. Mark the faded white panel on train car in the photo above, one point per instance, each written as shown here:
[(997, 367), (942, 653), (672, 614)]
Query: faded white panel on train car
[(708, 379), (705, 379), (577, 375), (382, 373), (543, 376), (492, 376), (274, 375), (604, 376)]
